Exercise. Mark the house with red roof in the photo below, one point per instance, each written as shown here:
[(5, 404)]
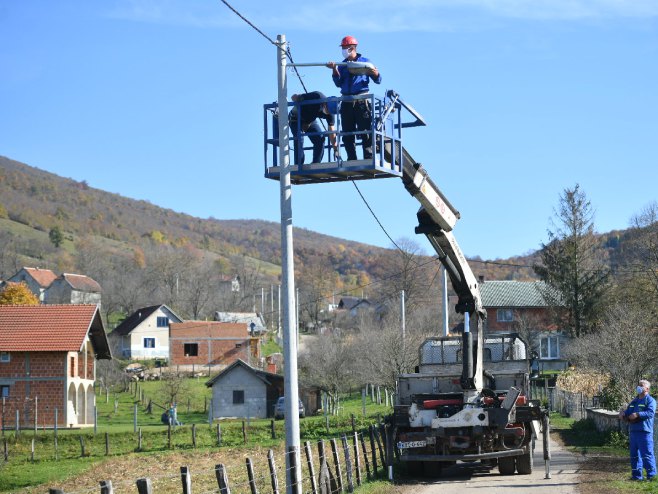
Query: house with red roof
[(64, 289), (36, 279), (211, 344), (48, 359), (73, 289)]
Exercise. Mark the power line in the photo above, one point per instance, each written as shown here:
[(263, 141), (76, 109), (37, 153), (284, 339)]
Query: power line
[(250, 23)]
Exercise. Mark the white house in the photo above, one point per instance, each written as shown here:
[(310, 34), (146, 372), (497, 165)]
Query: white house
[(145, 333)]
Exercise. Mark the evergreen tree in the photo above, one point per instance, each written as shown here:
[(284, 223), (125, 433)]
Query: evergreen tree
[(56, 236), (573, 269)]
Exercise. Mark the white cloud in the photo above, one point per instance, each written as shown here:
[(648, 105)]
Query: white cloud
[(383, 15)]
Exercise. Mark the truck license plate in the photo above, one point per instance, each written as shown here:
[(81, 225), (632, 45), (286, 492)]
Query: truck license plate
[(412, 444)]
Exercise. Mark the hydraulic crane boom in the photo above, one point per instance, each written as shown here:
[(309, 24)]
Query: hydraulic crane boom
[(436, 219)]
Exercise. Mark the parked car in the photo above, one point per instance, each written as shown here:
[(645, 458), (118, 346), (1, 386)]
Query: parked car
[(280, 412)]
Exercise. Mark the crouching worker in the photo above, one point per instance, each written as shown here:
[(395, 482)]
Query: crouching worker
[(640, 414), (308, 123)]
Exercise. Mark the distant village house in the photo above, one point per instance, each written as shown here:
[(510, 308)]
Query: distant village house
[(211, 344), (145, 333)]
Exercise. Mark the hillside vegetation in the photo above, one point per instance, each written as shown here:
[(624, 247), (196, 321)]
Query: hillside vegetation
[(131, 247)]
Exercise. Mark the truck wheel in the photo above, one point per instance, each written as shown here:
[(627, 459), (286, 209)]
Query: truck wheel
[(432, 469), (506, 465), (524, 463)]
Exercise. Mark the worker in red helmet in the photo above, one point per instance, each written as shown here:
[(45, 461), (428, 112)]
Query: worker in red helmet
[(355, 115)]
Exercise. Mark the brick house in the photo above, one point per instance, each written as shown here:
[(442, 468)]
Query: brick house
[(48, 363), (211, 344), (520, 306), (73, 289), (37, 279), (144, 334)]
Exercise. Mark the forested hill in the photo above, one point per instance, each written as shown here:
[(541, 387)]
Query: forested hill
[(42, 201)]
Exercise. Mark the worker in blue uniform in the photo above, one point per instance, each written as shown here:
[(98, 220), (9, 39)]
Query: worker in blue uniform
[(640, 416), (308, 124), (355, 115)]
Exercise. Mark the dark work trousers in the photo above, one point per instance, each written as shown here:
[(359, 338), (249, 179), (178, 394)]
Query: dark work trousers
[(317, 140), (356, 115)]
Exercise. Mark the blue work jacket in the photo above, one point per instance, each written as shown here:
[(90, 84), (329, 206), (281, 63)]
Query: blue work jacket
[(646, 410), (353, 84)]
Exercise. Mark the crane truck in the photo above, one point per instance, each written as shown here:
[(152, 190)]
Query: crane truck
[(469, 397)]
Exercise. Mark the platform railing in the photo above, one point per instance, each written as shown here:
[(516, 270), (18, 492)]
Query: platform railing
[(385, 132)]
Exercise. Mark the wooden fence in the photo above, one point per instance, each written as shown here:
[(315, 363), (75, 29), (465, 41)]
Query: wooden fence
[(347, 462)]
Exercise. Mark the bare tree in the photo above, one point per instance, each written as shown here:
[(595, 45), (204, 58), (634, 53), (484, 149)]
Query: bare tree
[(408, 268), (10, 259), (530, 326), (198, 289), (328, 364), (110, 374), (639, 278), (166, 270), (317, 281), (625, 348), (384, 352), (174, 387)]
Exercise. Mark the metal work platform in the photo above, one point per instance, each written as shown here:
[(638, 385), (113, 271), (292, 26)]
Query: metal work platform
[(386, 133)]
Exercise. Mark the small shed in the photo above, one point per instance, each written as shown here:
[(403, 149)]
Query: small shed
[(243, 391)]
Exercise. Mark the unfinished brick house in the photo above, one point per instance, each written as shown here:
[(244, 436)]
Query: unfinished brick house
[(211, 344), (48, 364)]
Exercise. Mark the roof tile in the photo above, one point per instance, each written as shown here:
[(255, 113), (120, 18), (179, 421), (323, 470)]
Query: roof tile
[(44, 328)]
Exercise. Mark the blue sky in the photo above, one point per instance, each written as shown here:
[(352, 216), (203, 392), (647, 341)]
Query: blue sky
[(162, 101)]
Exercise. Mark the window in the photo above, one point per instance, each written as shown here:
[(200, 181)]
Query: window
[(238, 345), (163, 321), (504, 315), (238, 396), (5, 357), (549, 347), (149, 342), (191, 349), (4, 391)]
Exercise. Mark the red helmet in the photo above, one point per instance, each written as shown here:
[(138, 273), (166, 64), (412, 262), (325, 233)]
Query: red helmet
[(348, 40)]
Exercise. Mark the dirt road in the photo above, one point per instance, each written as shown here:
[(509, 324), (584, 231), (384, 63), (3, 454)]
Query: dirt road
[(462, 477)]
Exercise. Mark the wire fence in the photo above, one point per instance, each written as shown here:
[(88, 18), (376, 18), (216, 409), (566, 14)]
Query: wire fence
[(566, 403)]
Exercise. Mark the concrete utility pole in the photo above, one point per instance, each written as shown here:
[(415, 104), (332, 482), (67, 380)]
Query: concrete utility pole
[(290, 384), (445, 300), (403, 321)]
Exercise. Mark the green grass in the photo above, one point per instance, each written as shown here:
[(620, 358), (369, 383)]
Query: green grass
[(21, 472), (269, 346), (582, 437)]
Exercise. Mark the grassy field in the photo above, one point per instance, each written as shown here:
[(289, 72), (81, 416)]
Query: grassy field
[(116, 447)]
